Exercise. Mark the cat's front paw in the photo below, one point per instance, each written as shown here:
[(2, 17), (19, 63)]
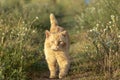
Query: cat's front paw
[(61, 76), (52, 77)]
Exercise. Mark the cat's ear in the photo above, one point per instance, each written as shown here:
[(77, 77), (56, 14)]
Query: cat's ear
[(47, 33), (64, 33)]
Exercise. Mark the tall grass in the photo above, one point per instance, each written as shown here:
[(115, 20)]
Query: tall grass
[(101, 23), (19, 48), (106, 40)]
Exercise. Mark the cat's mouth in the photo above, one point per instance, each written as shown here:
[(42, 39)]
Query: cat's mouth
[(55, 49)]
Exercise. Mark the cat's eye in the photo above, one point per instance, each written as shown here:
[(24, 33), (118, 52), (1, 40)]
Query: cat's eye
[(60, 42)]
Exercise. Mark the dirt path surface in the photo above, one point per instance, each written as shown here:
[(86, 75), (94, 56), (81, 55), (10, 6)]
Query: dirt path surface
[(84, 76)]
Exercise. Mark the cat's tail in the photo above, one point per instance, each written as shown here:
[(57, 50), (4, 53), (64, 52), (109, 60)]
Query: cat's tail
[(53, 20)]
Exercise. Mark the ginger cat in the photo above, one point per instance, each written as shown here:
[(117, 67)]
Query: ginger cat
[(56, 49)]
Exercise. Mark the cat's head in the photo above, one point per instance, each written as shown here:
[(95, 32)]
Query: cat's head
[(57, 41)]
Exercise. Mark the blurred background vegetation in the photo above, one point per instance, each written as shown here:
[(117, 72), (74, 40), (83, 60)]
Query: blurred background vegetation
[(94, 28)]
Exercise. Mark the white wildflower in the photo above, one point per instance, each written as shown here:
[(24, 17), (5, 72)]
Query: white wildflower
[(23, 22), (33, 31), (105, 30), (18, 34), (21, 57), (118, 36), (91, 30), (37, 17), (86, 47), (110, 22), (92, 9), (97, 24), (11, 32), (110, 27), (113, 18), (25, 29), (3, 34)]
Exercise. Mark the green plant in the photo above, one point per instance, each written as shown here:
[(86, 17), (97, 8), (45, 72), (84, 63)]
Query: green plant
[(106, 39), (19, 49)]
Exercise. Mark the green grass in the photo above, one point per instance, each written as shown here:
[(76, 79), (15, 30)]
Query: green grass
[(94, 33)]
